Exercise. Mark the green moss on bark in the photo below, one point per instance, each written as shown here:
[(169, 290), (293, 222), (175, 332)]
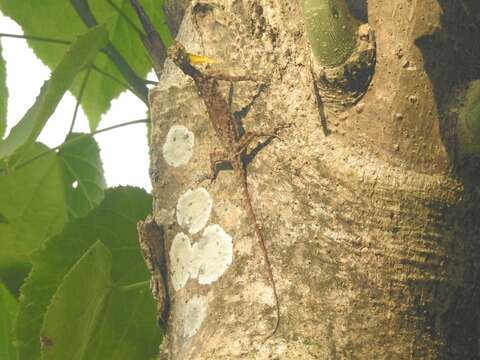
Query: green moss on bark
[(331, 30), (469, 120)]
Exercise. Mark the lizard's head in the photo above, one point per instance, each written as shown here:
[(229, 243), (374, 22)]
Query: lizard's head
[(178, 54)]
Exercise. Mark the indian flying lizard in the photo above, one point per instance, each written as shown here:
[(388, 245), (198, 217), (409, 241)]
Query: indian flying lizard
[(234, 143)]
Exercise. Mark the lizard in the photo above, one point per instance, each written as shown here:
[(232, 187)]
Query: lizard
[(234, 144), (227, 132)]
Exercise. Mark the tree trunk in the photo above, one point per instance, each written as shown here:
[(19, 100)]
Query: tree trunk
[(371, 219)]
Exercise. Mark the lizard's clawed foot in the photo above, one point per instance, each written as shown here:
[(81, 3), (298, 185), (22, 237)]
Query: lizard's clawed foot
[(282, 126), (278, 129)]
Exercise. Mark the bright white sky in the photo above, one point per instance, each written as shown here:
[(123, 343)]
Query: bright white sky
[(124, 151)]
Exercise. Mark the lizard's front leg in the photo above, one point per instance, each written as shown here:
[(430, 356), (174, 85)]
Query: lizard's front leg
[(249, 136), (216, 157), (218, 75)]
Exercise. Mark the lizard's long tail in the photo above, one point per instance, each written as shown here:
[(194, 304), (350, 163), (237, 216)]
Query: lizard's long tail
[(251, 213)]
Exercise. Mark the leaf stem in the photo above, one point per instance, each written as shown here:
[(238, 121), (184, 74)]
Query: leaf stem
[(65, 42), (140, 89), (82, 136), (79, 100), (134, 286), (133, 122), (37, 38), (125, 17), (110, 76)]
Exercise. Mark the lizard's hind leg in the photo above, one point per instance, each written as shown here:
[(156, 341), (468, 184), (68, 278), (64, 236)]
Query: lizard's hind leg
[(216, 157)]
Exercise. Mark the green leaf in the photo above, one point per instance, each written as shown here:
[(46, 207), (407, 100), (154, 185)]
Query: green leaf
[(38, 198), (78, 56), (8, 311), (3, 95), (84, 180), (76, 305), (114, 224), (33, 208), (46, 17), (468, 125), (124, 336)]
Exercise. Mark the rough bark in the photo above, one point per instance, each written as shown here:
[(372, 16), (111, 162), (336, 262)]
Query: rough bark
[(372, 230)]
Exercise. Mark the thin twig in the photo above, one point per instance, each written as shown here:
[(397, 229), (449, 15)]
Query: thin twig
[(120, 82), (112, 77), (150, 82)]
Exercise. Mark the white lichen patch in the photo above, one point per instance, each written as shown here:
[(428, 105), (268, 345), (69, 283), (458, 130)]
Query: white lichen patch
[(181, 256), (214, 253), (194, 314), (178, 147), (206, 260), (193, 209)]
